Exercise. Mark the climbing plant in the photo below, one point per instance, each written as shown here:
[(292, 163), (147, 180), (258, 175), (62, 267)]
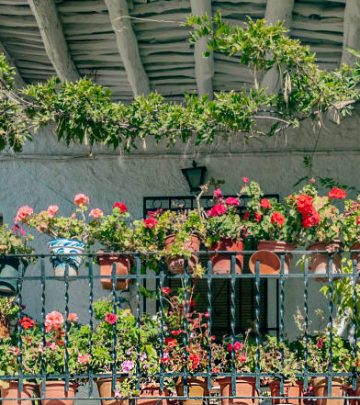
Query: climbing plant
[(84, 110)]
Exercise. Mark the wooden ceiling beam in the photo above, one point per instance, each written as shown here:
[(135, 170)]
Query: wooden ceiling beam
[(276, 10), (204, 66), (351, 31), (52, 34), (128, 46)]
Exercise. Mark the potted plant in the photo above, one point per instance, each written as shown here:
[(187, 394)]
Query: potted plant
[(318, 361), (70, 235), (130, 340), (278, 359), (321, 223), (183, 232), (239, 356), (224, 232), (13, 242), (271, 226), (351, 228), (192, 357), (114, 234)]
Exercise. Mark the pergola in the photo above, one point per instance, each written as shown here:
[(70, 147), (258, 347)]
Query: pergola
[(136, 46)]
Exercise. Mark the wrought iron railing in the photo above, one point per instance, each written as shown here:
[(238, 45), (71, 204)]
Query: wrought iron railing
[(40, 273)]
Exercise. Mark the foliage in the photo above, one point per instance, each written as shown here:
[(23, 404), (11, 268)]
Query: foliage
[(74, 226), (84, 112), (14, 241), (350, 220), (112, 231)]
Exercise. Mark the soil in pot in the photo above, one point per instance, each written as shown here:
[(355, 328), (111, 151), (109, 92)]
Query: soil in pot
[(176, 264), (105, 391), (320, 386), (150, 392), (319, 262), (28, 392), (221, 263), (245, 387), (122, 267), (9, 268), (70, 263), (197, 387), (290, 392), (55, 390), (269, 261)]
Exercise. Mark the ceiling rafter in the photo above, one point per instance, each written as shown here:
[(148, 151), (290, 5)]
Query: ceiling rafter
[(19, 81), (276, 10), (53, 38), (351, 31), (204, 66), (128, 46)]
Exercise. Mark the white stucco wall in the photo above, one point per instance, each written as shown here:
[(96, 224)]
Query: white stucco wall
[(48, 173)]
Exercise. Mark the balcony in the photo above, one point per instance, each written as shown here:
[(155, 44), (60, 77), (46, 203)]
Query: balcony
[(137, 339)]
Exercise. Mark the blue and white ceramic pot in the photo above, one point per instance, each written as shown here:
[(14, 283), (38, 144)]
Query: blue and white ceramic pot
[(72, 262)]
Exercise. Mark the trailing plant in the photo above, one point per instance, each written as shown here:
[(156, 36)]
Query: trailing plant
[(85, 111), (350, 220), (14, 241)]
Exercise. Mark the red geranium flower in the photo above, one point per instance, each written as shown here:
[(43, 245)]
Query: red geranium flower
[(232, 201), (277, 218), (320, 343), (176, 332), (304, 204), (237, 346), (171, 342), (27, 323), (111, 318), (217, 210), (121, 206), (166, 290), (265, 203), (195, 361), (229, 347), (257, 216), (246, 215), (311, 220), (150, 223), (338, 193)]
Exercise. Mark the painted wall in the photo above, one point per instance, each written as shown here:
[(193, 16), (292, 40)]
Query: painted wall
[(48, 173)]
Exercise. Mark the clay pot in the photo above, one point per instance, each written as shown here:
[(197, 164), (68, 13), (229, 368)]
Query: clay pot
[(221, 263), (176, 264), (320, 386), (149, 392), (356, 255), (9, 394), (56, 389), (197, 387), (105, 391), (122, 268), (318, 262), (269, 261), (290, 392), (245, 387)]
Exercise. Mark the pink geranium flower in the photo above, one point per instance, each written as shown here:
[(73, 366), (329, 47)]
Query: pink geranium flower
[(232, 201), (72, 317), (83, 358), (23, 212), (52, 210), (150, 223), (217, 193), (96, 213), (81, 200), (54, 321), (245, 180), (217, 210), (111, 318)]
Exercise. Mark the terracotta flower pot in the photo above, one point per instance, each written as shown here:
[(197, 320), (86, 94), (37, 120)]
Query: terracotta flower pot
[(320, 386), (105, 391), (197, 387), (122, 268), (150, 392), (290, 392), (221, 263), (176, 264), (10, 393), (56, 389), (356, 255), (245, 387), (318, 262), (269, 261)]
